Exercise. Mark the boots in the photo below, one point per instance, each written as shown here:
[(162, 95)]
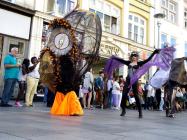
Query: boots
[(123, 112), (140, 114)]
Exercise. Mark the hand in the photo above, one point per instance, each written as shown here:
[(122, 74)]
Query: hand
[(156, 51), (18, 65), (185, 58)]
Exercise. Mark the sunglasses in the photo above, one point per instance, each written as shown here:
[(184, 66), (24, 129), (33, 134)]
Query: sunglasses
[(134, 55)]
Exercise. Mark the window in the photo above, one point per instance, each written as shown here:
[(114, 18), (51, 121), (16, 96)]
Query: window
[(130, 31), (114, 25), (172, 41), (60, 6), (108, 14), (136, 33), (163, 40), (70, 5), (107, 23), (50, 5), (169, 8), (100, 15), (185, 52), (185, 18), (136, 28), (18, 44), (141, 35)]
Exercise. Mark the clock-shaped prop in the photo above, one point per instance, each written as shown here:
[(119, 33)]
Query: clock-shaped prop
[(59, 41), (76, 37)]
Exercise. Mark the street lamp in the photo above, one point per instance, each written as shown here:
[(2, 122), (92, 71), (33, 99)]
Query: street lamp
[(159, 17)]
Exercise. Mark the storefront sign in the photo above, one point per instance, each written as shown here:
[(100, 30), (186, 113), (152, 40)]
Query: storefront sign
[(107, 50), (14, 24)]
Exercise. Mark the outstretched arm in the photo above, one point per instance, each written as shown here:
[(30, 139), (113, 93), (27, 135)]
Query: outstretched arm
[(125, 62), (150, 57)]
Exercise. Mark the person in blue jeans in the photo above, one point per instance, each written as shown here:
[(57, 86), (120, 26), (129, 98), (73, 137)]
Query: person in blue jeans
[(10, 76)]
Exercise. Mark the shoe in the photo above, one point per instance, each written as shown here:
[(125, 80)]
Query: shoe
[(171, 116), (27, 105), (123, 113), (140, 116), (17, 104), (6, 105)]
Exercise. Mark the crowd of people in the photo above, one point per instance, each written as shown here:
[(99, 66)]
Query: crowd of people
[(26, 75), (102, 92)]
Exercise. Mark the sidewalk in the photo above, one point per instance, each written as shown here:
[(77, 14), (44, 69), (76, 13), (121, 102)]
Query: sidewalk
[(37, 124)]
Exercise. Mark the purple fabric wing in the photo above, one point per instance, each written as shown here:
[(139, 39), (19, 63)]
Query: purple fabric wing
[(111, 65), (162, 60)]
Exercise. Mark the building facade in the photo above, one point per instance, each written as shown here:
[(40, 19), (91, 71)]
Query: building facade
[(125, 23), (173, 28)]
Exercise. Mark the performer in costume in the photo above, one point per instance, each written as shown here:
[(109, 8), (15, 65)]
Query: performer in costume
[(133, 65), (177, 78), (67, 58)]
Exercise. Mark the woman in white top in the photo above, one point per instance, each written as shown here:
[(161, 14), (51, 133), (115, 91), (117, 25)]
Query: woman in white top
[(87, 88), (22, 80), (116, 94)]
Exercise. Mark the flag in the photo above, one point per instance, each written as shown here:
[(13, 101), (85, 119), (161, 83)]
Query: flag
[(159, 78), (111, 65), (162, 60)]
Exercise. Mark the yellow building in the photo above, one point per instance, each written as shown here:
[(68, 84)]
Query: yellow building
[(125, 27)]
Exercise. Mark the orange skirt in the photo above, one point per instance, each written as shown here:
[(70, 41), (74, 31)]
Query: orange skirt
[(66, 104)]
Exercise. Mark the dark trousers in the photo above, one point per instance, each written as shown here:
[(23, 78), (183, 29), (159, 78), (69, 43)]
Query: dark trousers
[(22, 90), (8, 90), (125, 97), (50, 98), (158, 98)]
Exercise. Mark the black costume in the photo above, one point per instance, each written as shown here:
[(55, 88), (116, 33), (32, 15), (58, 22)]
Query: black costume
[(131, 71)]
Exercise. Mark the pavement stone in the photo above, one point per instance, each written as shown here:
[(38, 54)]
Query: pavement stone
[(35, 123)]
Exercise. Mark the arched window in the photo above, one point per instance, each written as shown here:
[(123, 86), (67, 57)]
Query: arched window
[(137, 28)]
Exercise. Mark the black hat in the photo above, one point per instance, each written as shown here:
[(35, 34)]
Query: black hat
[(134, 54)]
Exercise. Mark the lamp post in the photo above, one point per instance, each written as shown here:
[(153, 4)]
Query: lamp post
[(159, 17)]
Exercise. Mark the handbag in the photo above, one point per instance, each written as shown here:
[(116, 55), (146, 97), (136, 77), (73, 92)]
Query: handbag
[(132, 100)]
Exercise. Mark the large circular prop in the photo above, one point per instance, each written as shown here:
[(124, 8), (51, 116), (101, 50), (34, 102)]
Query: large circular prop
[(59, 41), (88, 33)]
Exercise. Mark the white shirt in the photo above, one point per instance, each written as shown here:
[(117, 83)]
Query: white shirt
[(116, 88), (88, 80), (151, 91), (162, 93), (109, 84), (35, 73)]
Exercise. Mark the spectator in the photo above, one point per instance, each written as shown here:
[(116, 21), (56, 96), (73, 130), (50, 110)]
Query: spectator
[(116, 94), (10, 76), (109, 91), (99, 86), (145, 95), (87, 88), (150, 97), (162, 99), (32, 82), (22, 81)]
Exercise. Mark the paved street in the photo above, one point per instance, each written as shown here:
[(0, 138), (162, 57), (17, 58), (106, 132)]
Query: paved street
[(37, 124)]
